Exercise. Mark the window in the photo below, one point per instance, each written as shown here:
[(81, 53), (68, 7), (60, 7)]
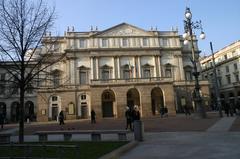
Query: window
[(219, 72), (125, 42), (83, 77), (2, 76), (56, 79), (235, 66), (228, 79), (225, 57), (127, 71), (168, 71), (165, 41), (234, 53), (237, 77), (227, 69), (2, 89), (105, 74), (29, 89), (145, 42), (83, 97), (188, 74), (104, 42), (70, 108), (134, 41), (82, 43), (146, 73), (126, 74), (114, 42), (220, 81), (54, 98)]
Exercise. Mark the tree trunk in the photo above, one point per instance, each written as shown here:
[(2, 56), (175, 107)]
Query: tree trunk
[(21, 113)]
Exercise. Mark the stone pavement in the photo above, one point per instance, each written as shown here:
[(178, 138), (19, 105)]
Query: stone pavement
[(215, 143)]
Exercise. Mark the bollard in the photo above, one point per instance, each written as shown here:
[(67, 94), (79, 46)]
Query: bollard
[(138, 130), (28, 121)]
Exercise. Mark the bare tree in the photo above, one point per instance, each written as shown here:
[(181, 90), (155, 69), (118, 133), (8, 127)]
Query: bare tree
[(23, 27)]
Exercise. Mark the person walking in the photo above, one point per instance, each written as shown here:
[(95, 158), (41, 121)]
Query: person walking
[(136, 113), (186, 110), (61, 118), (162, 111), (227, 108), (93, 117), (128, 115), (1, 120)]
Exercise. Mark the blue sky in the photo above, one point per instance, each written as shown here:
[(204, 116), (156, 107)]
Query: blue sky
[(220, 18)]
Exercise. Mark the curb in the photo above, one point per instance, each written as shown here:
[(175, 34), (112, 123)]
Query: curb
[(118, 152)]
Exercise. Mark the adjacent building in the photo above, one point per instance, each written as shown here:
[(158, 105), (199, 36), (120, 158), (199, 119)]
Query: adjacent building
[(114, 68), (227, 62)]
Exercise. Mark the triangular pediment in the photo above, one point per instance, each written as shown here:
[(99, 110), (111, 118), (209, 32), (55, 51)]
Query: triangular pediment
[(124, 29)]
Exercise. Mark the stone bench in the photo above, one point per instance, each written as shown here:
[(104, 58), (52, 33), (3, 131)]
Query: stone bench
[(95, 134), (5, 138)]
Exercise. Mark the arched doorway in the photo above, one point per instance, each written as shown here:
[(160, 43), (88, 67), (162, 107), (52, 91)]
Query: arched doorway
[(108, 98), (157, 100), (29, 110), (133, 98), (54, 107), (3, 110), (84, 106), (15, 111)]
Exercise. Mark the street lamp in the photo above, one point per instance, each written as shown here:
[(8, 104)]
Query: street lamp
[(188, 36), (216, 83)]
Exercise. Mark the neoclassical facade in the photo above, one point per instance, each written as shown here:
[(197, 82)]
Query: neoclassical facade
[(227, 68), (118, 67), (114, 68)]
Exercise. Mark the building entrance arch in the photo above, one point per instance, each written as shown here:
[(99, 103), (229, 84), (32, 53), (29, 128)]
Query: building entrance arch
[(54, 107), (108, 99), (157, 100), (15, 111), (133, 98), (3, 109)]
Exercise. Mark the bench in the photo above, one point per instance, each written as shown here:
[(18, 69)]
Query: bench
[(95, 134), (5, 138)]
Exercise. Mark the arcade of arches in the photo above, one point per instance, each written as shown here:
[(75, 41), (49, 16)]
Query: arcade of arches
[(109, 102), (13, 115)]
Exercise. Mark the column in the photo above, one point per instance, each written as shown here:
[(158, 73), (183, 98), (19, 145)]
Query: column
[(159, 66), (114, 69), (181, 69), (71, 71), (96, 68), (92, 68), (155, 67), (139, 67), (134, 70), (119, 67)]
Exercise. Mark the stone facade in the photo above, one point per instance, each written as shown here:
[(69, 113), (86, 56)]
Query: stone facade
[(227, 69), (114, 68)]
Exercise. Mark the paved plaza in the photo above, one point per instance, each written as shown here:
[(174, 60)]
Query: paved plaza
[(177, 137)]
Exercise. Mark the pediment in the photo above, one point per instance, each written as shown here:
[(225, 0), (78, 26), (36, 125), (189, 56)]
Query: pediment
[(124, 29)]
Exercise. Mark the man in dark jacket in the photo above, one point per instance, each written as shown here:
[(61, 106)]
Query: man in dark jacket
[(1, 120), (128, 115)]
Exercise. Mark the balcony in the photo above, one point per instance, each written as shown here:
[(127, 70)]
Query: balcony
[(130, 81)]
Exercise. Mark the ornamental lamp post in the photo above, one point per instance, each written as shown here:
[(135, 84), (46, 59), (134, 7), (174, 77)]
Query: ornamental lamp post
[(189, 25)]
